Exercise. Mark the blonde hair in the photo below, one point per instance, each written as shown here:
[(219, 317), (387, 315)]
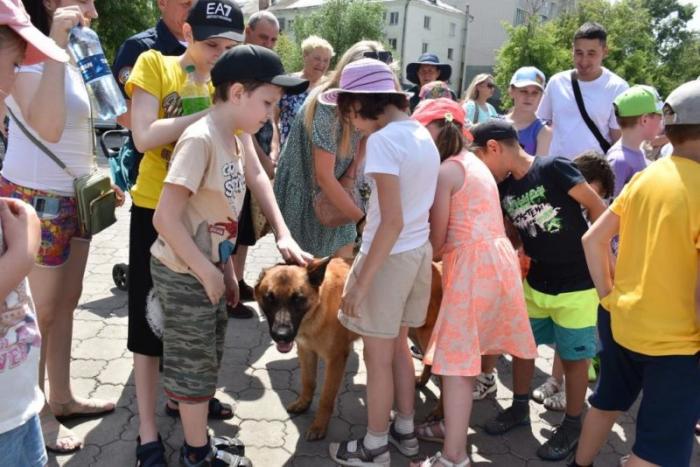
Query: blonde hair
[(354, 53), (312, 43), (472, 94)]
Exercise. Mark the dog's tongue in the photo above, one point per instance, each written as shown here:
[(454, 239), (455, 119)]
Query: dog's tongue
[(284, 347)]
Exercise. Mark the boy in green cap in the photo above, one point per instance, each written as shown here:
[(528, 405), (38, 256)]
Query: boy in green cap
[(638, 112)]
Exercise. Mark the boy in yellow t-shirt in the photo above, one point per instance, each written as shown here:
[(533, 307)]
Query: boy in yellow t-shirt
[(652, 341), (196, 220)]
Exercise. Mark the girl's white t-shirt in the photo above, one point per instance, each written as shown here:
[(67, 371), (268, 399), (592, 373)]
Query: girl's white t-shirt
[(20, 345), (27, 165), (405, 149)]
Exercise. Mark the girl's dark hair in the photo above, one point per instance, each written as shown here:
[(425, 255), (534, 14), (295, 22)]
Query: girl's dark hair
[(221, 91), (371, 105), (39, 15), (450, 140), (594, 167)]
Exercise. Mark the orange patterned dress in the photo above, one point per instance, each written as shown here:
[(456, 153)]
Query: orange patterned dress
[(483, 307)]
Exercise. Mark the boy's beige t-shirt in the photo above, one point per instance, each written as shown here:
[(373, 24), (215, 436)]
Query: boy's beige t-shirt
[(214, 174)]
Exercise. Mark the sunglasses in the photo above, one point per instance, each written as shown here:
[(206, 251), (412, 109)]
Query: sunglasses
[(383, 56)]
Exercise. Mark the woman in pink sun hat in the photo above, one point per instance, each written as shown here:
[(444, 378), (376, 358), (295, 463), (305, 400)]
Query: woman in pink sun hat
[(21, 399), (402, 164)]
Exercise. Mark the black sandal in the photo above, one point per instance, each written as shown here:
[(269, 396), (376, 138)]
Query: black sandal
[(217, 458), (217, 410), (341, 455), (150, 454)]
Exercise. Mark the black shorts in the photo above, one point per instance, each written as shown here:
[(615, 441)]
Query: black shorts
[(142, 234), (246, 232), (670, 405)]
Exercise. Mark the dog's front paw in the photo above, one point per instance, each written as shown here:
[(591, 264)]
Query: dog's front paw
[(298, 406), (316, 431)]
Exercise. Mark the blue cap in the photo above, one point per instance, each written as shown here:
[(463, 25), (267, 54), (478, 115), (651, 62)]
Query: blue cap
[(528, 76)]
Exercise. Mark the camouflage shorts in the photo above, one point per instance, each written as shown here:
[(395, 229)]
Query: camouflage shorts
[(193, 339)]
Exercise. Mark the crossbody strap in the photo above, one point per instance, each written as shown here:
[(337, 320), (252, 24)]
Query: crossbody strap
[(604, 143), (39, 144)]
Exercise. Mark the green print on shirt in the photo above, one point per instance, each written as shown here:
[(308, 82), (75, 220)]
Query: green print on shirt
[(531, 213)]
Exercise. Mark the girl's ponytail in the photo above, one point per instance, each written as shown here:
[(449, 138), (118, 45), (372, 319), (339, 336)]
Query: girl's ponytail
[(450, 140)]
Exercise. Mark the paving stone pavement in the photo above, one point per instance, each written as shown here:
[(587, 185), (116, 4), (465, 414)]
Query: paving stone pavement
[(261, 382)]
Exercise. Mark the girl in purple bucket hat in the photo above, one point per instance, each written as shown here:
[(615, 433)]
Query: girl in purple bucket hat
[(402, 165)]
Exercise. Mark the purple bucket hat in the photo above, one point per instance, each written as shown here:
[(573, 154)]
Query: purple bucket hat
[(364, 76)]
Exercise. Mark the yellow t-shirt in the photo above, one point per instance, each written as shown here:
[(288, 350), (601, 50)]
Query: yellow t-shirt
[(163, 77), (214, 173), (652, 304)]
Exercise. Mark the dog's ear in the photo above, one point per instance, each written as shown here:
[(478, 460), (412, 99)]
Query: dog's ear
[(316, 271)]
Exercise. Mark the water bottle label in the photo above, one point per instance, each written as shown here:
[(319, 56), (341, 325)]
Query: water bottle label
[(93, 67)]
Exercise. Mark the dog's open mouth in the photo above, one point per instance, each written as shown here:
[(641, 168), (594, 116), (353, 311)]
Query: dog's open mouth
[(284, 347)]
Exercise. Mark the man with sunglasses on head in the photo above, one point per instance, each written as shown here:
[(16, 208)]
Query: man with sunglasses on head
[(427, 69)]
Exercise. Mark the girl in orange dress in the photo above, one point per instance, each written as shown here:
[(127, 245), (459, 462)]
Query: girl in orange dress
[(483, 307)]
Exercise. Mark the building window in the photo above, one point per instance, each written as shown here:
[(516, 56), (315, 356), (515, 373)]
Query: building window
[(392, 43), (425, 47), (426, 22), (520, 17), (283, 23), (450, 54), (394, 17), (453, 29)]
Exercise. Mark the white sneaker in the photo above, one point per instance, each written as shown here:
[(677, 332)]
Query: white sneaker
[(484, 385), (546, 390)]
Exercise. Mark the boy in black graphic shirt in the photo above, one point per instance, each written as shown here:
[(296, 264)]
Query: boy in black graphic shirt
[(542, 198)]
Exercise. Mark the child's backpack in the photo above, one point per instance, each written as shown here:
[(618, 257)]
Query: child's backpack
[(123, 157)]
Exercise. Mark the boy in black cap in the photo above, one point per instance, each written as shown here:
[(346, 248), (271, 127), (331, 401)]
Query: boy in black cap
[(542, 198), (191, 262)]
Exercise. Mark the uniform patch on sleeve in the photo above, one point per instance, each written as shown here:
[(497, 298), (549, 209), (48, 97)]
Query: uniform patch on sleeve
[(123, 75)]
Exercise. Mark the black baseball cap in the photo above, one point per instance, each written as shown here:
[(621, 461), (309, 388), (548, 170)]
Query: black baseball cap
[(249, 62), (495, 129), (216, 18)]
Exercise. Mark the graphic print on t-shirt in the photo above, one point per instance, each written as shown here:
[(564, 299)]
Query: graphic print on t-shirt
[(531, 212)]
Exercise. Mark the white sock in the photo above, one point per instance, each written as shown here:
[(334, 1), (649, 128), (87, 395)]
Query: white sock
[(403, 423), (376, 440)]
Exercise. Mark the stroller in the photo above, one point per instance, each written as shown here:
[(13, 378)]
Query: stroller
[(122, 158)]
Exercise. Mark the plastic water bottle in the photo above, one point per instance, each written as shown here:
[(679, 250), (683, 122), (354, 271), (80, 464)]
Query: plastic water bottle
[(87, 51), (195, 94)]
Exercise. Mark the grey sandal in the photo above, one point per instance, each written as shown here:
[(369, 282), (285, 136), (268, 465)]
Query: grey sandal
[(361, 455)]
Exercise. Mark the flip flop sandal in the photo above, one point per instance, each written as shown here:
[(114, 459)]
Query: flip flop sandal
[(217, 410), (150, 454), (433, 432), (90, 409), (57, 434)]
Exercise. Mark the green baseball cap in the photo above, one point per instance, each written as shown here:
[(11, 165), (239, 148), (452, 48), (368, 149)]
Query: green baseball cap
[(638, 100)]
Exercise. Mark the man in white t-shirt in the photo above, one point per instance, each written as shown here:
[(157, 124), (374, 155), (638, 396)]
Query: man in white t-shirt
[(599, 87)]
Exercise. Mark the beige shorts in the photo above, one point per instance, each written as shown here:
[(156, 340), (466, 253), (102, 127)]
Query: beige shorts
[(398, 296)]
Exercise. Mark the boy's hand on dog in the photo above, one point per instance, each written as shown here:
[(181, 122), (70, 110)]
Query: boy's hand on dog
[(292, 252), (350, 302), (213, 281)]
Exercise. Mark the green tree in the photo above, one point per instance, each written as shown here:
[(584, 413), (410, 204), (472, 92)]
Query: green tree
[(648, 42), (290, 53), (342, 23), (120, 19)]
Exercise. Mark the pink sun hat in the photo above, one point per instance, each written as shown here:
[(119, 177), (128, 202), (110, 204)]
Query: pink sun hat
[(39, 46), (365, 76)]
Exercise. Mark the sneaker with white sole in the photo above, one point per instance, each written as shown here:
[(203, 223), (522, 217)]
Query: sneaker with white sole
[(484, 385), (407, 444), (547, 389), (557, 402)]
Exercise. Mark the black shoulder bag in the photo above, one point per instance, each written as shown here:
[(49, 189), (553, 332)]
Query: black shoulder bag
[(604, 143)]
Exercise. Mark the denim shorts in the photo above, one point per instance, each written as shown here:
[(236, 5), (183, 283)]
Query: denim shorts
[(24, 445), (670, 406)]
